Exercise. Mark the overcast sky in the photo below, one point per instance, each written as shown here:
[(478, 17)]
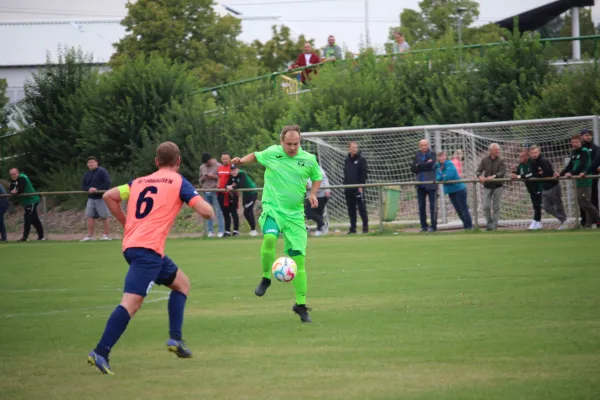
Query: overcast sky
[(315, 18)]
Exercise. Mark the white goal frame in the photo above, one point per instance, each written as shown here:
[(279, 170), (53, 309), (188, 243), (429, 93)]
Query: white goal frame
[(331, 147)]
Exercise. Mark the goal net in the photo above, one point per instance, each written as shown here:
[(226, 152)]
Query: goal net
[(390, 152)]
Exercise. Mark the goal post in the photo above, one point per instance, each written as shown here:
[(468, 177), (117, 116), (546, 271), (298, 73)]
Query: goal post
[(390, 151)]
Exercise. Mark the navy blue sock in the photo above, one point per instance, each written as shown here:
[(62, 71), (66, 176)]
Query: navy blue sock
[(176, 306), (115, 326)]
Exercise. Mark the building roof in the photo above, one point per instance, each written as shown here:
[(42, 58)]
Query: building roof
[(540, 16), (27, 43)]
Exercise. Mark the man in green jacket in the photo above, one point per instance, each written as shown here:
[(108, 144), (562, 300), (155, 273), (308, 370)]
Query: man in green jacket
[(579, 164), (525, 170), (21, 184)]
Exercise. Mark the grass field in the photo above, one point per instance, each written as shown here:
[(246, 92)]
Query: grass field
[(445, 316)]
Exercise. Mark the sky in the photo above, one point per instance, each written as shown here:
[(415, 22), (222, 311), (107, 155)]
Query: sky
[(316, 19)]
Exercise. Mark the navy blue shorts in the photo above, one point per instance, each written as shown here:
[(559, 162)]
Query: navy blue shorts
[(146, 267)]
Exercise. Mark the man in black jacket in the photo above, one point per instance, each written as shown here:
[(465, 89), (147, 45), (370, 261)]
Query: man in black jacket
[(551, 193), (424, 168), (95, 179), (355, 173), (588, 142)]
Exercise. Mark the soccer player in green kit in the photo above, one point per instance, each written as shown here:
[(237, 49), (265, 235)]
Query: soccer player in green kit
[(288, 167)]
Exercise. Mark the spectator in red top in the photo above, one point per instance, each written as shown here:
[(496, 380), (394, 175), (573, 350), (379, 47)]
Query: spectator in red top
[(224, 171), (457, 158), (308, 57)]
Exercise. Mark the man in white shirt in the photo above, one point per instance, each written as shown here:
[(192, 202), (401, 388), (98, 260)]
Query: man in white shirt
[(400, 44)]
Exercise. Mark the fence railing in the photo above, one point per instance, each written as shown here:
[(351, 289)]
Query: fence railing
[(380, 187)]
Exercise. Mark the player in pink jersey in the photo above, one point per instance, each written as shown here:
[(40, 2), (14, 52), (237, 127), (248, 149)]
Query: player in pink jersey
[(153, 204)]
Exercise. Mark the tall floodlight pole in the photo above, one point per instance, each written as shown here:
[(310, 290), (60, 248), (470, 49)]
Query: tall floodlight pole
[(367, 39), (576, 50)]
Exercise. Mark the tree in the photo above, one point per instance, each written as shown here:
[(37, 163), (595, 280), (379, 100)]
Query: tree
[(50, 114), (187, 32), (552, 29), (436, 19), (568, 93), (127, 105), (4, 112), (277, 52)]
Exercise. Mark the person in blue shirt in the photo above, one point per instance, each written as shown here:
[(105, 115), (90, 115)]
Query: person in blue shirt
[(3, 209), (446, 171)]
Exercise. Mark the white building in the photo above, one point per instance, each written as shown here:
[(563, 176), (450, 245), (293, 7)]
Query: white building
[(25, 45)]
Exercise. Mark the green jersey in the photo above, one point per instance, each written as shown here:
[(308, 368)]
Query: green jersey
[(23, 185), (285, 180), (525, 171)]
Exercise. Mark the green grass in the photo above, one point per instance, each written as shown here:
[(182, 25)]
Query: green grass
[(460, 316)]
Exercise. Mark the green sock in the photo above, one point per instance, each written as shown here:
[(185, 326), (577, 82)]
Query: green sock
[(267, 254), (300, 283)]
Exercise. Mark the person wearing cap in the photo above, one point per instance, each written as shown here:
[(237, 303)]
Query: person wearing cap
[(588, 143), (578, 166), (241, 180)]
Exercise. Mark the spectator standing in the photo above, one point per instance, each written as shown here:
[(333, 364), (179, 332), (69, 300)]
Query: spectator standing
[(331, 52), (588, 143), (400, 44), (209, 181), (316, 214), (551, 193), (355, 173), (21, 184), (579, 164), (305, 59), (525, 170), (224, 198), (492, 167), (457, 158), (3, 209), (457, 192), (241, 180), (424, 168), (95, 179)]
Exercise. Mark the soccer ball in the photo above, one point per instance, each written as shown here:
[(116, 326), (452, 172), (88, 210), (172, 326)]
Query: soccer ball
[(284, 269)]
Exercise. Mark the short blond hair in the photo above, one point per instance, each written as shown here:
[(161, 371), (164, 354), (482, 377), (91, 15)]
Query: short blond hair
[(167, 154), (289, 128)]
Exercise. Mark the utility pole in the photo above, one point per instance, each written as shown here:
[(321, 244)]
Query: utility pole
[(367, 39), (576, 46)]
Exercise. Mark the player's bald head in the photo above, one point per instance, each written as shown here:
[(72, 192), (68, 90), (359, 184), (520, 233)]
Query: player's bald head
[(167, 155)]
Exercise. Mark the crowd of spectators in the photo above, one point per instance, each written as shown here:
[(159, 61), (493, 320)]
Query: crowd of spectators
[(333, 52), (224, 185)]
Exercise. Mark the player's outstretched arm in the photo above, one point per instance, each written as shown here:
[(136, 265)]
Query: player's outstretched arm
[(203, 208), (113, 198), (249, 159)]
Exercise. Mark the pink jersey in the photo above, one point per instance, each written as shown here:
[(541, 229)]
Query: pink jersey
[(458, 164), (154, 202)]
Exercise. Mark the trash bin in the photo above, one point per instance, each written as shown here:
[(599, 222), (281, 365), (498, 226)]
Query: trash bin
[(391, 204)]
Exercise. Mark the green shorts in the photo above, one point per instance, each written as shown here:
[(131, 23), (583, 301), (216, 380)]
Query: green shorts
[(294, 231)]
